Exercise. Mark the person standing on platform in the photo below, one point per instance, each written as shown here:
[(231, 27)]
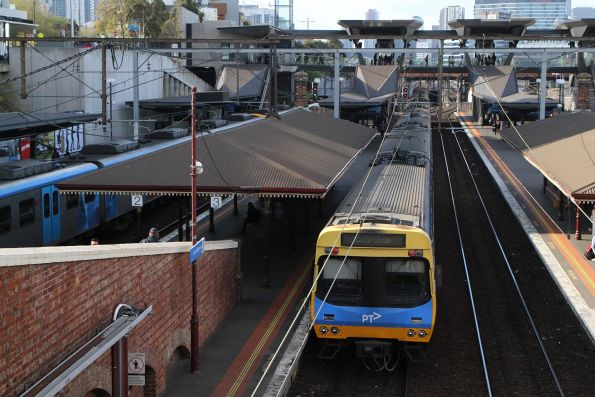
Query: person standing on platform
[(94, 241), (252, 216), (153, 236)]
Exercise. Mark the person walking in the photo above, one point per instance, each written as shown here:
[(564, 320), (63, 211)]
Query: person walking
[(252, 216), (153, 236)]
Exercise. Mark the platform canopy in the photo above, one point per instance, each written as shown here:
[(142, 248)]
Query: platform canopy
[(563, 149), (498, 85), (18, 124), (373, 86), (491, 27), (381, 27), (301, 154)]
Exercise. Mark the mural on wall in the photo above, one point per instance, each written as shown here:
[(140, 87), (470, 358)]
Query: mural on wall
[(69, 140), (9, 149), (43, 146), (47, 146)]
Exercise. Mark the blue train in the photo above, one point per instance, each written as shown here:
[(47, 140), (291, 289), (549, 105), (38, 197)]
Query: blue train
[(33, 213), (374, 272)]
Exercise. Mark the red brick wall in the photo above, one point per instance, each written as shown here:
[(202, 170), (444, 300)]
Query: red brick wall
[(47, 311)]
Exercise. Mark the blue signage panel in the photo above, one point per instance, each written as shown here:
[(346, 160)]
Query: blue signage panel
[(197, 250)]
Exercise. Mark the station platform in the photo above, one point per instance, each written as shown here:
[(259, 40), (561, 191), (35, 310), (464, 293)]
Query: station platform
[(232, 361), (554, 239)]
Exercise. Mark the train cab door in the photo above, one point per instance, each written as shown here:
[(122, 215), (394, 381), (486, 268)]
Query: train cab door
[(50, 214)]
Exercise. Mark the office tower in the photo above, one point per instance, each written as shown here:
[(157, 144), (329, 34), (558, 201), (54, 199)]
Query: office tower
[(450, 13), (371, 15), (582, 13), (545, 12)]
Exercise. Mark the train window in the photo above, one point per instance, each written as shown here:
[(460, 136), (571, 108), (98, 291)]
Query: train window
[(55, 203), (347, 273), (46, 205), (72, 201), (88, 197), (407, 279), (26, 212), (5, 221)]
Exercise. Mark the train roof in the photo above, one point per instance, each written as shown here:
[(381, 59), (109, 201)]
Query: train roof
[(11, 187), (398, 186)]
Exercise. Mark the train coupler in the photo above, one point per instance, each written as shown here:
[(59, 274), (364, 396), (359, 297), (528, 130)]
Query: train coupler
[(374, 349)]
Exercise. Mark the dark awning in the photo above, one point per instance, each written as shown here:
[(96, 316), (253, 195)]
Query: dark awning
[(563, 149), (381, 27), (17, 124), (301, 154)]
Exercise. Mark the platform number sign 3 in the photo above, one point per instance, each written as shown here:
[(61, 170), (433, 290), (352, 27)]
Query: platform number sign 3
[(137, 200), (216, 202)]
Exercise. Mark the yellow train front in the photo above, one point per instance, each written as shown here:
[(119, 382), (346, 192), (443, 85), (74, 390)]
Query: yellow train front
[(374, 264)]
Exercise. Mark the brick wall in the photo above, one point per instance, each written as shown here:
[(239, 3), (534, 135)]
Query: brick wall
[(583, 83), (54, 299)]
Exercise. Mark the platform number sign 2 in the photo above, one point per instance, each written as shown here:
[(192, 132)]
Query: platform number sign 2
[(137, 200), (216, 202)]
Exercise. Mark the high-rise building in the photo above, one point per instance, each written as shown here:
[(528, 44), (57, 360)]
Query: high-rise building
[(256, 15), (493, 14), (371, 15), (545, 12), (582, 13), (284, 14), (450, 13)]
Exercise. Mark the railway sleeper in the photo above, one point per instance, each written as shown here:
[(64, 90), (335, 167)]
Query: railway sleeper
[(415, 352), (330, 349)]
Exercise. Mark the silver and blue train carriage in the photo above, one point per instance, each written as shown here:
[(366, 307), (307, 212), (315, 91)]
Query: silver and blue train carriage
[(32, 212), (374, 261)]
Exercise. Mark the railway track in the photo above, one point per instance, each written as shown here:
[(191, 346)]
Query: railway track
[(496, 298), (346, 376), (515, 363)]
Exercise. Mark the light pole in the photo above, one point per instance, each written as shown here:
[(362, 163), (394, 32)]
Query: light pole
[(195, 169), (111, 130)]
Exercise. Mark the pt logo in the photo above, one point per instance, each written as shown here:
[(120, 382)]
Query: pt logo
[(370, 318)]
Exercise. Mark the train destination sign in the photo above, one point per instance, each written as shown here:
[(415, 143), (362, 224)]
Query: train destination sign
[(373, 240)]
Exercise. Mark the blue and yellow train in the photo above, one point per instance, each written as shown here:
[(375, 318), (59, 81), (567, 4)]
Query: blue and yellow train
[(374, 264)]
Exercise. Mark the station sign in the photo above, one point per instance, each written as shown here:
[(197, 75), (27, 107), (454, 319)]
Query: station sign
[(197, 250), (216, 202)]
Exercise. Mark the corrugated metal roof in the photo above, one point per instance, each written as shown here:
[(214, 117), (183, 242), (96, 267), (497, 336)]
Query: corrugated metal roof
[(494, 81), (251, 80), (563, 149), (401, 187), (375, 80), (301, 154)]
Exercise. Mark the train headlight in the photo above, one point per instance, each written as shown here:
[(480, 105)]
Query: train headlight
[(422, 333), (410, 333), (323, 330), (335, 330)]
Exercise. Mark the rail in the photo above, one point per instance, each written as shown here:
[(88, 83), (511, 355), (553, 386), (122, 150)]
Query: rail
[(508, 267)]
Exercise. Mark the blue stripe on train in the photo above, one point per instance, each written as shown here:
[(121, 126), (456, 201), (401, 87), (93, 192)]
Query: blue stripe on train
[(375, 316)]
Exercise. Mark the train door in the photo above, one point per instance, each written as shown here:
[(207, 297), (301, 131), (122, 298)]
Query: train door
[(50, 207)]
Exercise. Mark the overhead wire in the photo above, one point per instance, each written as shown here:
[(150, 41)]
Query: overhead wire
[(514, 127)]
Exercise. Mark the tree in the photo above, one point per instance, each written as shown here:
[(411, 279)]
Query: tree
[(49, 25), (332, 43), (116, 17)]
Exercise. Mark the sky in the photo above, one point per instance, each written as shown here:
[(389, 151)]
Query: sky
[(324, 14)]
